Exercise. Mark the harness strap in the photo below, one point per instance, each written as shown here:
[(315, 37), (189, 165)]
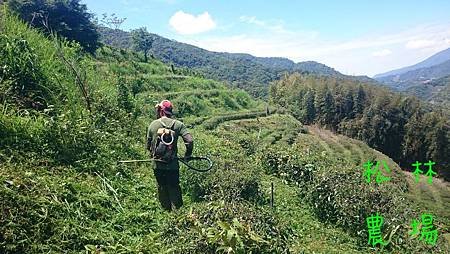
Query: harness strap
[(172, 124)]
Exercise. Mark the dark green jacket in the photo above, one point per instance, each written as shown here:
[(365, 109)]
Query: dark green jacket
[(180, 130)]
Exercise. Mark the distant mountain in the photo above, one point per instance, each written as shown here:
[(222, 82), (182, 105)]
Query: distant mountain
[(416, 77), (242, 70), (438, 95), (438, 91), (430, 83), (435, 59)]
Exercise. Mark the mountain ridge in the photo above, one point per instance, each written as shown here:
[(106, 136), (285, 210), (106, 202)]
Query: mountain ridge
[(240, 69), (433, 60), (418, 76), (429, 82)]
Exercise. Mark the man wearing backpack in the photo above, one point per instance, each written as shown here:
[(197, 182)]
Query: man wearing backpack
[(162, 137)]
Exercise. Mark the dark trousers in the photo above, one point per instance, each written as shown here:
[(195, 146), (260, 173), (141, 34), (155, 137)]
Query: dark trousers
[(169, 190)]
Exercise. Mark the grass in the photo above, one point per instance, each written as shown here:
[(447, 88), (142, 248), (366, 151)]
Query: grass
[(310, 235), (431, 197), (79, 209)]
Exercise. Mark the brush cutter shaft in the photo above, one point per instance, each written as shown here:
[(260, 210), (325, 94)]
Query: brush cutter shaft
[(185, 162)]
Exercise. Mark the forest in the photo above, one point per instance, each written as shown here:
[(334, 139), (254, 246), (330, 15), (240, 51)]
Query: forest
[(404, 128)]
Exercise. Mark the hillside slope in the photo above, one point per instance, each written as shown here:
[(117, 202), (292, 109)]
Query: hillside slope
[(417, 77), (433, 60), (402, 127), (434, 91), (423, 80), (441, 95), (242, 70)]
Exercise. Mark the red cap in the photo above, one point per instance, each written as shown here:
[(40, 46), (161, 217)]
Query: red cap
[(166, 106)]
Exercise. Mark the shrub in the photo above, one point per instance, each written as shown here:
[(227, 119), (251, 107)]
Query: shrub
[(227, 227), (342, 197), (347, 200), (233, 176), (215, 121), (289, 165), (22, 80)]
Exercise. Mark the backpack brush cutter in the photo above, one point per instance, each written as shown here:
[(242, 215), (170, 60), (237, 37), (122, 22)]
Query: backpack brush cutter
[(182, 160)]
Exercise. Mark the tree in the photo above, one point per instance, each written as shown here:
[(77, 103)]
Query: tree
[(440, 147), (67, 18), (112, 21), (310, 110), (360, 99), (325, 107), (348, 105), (366, 133), (142, 40), (437, 139), (339, 103), (401, 127), (413, 147)]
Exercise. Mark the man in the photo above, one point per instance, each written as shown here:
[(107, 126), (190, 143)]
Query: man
[(162, 137)]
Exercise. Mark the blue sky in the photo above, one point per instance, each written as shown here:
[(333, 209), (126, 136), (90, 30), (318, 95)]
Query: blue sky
[(355, 37)]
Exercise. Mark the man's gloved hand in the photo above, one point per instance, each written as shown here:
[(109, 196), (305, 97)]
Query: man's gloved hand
[(187, 158)]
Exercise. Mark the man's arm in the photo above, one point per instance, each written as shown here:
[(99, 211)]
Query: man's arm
[(189, 142), (149, 140), (149, 144)]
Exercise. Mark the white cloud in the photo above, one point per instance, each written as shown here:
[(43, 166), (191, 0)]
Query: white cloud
[(348, 56), (187, 24), (419, 44), (274, 25), (381, 53), (252, 20)]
